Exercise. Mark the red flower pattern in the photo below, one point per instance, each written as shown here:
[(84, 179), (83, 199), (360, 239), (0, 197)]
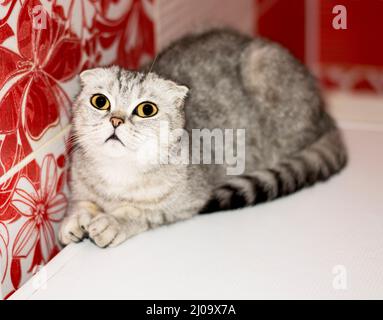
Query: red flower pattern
[(41, 205), (37, 76), (39, 66)]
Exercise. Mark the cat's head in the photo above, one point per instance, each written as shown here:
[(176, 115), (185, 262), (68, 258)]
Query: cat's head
[(118, 113)]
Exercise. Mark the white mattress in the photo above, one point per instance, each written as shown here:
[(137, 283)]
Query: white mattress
[(323, 242)]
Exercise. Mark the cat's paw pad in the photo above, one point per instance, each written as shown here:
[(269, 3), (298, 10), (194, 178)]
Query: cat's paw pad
[(74, 228), (105, 231)]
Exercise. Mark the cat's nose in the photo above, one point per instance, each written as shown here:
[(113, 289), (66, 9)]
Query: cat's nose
[(115, 121)]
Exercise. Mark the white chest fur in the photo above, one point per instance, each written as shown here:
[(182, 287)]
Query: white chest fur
[(126, 182)]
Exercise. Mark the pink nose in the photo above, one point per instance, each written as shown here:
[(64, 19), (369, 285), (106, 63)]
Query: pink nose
[(115, 121)]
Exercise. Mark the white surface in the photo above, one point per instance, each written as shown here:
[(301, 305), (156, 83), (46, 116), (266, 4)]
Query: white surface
[(284, 249), (361, 110)]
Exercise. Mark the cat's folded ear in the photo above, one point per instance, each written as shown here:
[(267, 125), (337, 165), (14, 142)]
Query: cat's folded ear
[(180, 92), (89, 76)]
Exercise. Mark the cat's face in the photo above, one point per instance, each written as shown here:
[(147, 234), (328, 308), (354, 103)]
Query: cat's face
[(118, 112)]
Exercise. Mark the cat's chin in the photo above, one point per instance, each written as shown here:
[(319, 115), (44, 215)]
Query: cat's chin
[(114, 149)]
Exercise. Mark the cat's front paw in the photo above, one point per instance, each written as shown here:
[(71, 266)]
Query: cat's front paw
[(74, 228), (106, 231)]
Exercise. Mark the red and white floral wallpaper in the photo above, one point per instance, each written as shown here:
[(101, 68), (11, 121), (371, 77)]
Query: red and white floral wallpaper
[(43, 46)]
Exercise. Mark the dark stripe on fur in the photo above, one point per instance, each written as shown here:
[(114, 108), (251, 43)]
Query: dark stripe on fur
[(212, 205), (279, 180), (293, 174), (309, 171), (326, 168), (259, 189), (237, 199)]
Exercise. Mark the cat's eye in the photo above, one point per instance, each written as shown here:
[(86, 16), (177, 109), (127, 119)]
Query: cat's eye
[(99, 101), (146, 110)]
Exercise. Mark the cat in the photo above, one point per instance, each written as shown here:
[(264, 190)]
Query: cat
[(217, 79)]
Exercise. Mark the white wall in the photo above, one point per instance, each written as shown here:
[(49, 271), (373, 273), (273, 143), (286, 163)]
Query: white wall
[(177, 17)]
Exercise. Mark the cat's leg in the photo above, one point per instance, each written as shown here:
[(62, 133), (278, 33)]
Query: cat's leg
[(74, 228), (127, 219), (109, 230)]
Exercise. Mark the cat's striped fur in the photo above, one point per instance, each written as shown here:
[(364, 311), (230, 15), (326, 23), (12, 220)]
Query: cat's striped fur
[(316, 163)]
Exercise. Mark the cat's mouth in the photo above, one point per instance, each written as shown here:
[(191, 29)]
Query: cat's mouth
[(114, 137)]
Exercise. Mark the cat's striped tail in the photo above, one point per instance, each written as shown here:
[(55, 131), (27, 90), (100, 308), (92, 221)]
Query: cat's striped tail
[(317, 162)]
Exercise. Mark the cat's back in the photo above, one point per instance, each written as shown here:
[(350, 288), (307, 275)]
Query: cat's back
[(202, 57), (208, 64)]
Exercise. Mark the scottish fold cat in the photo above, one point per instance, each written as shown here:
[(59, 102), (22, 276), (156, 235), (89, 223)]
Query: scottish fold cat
[(236, 93)]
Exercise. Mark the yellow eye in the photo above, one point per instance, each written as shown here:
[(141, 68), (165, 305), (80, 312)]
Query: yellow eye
[(146, 109), (99, 101)]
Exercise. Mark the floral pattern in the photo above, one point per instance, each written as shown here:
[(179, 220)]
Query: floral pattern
[(44, 44), (41, 205)]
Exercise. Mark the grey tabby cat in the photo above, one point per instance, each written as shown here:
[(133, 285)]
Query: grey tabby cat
[(218, 79)]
